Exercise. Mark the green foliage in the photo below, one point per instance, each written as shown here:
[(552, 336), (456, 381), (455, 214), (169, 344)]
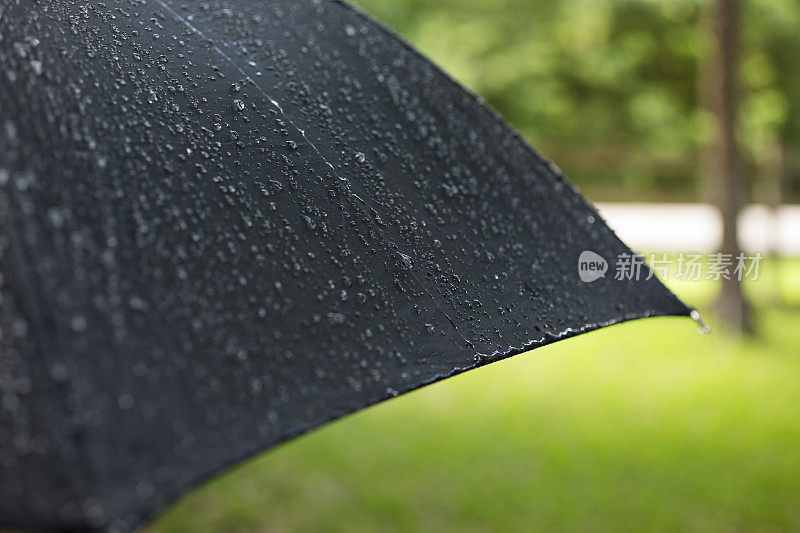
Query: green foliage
[(609, 88)]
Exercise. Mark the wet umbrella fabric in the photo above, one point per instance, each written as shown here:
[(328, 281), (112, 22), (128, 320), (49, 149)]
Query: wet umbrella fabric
[(224, 224)]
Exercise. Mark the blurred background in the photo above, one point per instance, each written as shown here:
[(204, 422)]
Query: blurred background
[(681, 120), (612, 90)]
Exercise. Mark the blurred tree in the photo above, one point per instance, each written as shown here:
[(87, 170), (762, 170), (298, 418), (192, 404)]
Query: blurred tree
[(722, 86), (770, 119)]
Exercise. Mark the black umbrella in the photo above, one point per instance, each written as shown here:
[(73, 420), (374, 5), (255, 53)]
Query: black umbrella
[(225, 224)]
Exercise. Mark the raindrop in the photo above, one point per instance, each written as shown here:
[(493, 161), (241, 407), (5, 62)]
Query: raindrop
[(94, 513), (145, 489), (78, 323), (335, 319), (58, 372), (408, 262), (309, 222), (125, 401), (705, 329)]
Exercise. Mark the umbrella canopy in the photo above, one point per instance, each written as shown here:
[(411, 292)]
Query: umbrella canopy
[(225, 224)]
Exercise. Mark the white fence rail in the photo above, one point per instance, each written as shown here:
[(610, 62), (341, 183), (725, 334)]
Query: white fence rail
[(698, 227)]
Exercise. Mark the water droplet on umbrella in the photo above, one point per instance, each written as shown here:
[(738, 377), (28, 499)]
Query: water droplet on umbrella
[(705, 329), (406, 259), (145, 489), (78, 323)]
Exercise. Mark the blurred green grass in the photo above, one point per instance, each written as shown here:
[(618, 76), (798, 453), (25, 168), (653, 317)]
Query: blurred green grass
[(642, 426)]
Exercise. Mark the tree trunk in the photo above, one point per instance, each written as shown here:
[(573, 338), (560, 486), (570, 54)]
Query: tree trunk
[(731, 308)]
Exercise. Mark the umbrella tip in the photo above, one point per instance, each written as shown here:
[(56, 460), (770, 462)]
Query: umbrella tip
[(705, 329)]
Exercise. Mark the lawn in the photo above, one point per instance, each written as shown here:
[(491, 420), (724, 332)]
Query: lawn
[(642, 426)]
